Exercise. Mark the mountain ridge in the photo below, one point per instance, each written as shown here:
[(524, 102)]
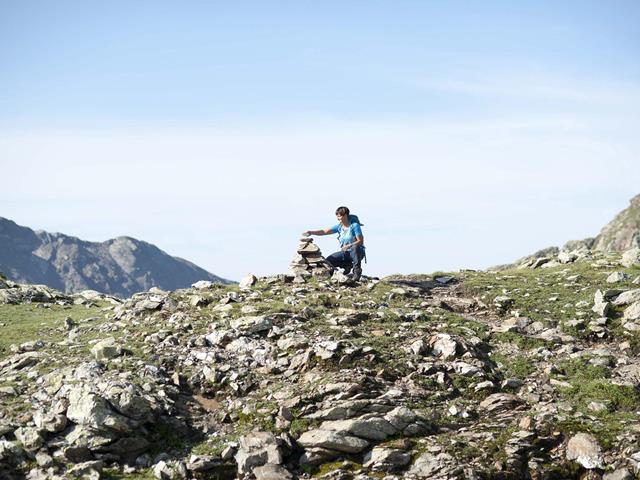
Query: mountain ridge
[(119, 266)]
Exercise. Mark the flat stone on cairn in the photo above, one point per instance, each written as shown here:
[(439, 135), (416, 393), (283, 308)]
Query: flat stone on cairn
[(309, 260)]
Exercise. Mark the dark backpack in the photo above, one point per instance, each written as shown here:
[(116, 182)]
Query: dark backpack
[(354, 219)]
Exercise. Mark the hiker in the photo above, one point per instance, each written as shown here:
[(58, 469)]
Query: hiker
[(351, 243)]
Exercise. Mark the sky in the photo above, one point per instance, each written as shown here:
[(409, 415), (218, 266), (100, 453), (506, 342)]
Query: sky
[(464, 134)]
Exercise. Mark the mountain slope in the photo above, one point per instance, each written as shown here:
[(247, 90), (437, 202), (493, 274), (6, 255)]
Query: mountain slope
[(623, 232), (121, 266), (516, 375)]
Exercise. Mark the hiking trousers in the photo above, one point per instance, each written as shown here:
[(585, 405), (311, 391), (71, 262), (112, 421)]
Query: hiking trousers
[(352, 258)]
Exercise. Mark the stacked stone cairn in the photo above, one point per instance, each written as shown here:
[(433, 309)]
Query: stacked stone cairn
[(309, 260)]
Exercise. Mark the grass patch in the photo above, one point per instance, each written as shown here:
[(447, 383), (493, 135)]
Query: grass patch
[(35, 321), (521, 341), (532, 290), (518, 366)]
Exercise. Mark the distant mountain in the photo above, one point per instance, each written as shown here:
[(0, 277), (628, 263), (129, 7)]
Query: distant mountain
[(623, 232), (121, 266)]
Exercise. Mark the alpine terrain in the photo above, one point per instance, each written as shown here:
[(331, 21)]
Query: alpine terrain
[(531, 372)]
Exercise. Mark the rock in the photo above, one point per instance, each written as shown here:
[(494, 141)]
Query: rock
[(317, 456), (77, 454), (219, 338), (199, 301), (333, 441), (202, 285), (106, 349), (257, 449), (632, 312), (87, 470), (29, 437), (340, 277), (89, 409), (601, 307), (204, 463), (628, 297), (616, 277), (51, 422), (584, 449), (248, 281), (367, 427), (69, 324), (270, 471), (386, 459), (619, 474), (539, 262), (44, 460), (503, 303), (419, 347), (8, 391), (251, 324), (444, 346), (500, 401), (10, 453), (631, 257), (567, 257), (428, 464), (169, 470), (308, 260)]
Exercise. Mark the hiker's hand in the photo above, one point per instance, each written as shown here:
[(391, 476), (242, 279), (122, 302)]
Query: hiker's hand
[(306, 233), (345, 248)]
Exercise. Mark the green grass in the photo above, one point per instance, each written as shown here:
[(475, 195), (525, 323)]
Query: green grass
[(30, 321), (523, 342), (518, 366), (531, 290), (115, 474)]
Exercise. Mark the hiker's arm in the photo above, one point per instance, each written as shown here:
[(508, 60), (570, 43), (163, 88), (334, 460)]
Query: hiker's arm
[(359, 241), (326, 231)]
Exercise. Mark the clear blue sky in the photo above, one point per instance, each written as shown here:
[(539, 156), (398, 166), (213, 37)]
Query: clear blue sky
[(465, 133)]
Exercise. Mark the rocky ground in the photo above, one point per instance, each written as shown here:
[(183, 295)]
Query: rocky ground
[(530, 372)]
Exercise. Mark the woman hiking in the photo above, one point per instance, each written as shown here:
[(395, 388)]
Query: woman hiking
[(351, 243)]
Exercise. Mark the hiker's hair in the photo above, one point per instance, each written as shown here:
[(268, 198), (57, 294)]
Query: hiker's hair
[(342, 211)]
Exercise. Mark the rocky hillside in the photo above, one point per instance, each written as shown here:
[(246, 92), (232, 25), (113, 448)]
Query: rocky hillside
[(527, 373), (623, 232), (619, 235), (121, 266)]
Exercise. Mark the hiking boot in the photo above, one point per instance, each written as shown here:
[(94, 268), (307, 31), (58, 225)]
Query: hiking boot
[(357, 273)]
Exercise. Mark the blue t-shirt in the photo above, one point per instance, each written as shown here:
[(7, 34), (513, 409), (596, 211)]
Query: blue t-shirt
[(347, 234)]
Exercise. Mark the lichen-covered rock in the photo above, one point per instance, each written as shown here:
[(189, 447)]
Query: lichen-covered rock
[(169, 470), (500, 402), (632, 312), (631, 257), (106, 349), (257, 449), (251, 324), (430, 465), (584, 449), (628, 297), (386, 459), (444, 346), (91, 410), (331, 440), (29, 437), (270, 471), (248, 281)]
